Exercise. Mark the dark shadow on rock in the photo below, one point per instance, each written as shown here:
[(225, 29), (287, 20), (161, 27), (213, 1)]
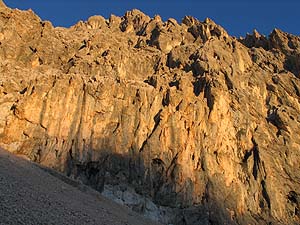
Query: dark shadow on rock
[(151, 180), (292, 64)]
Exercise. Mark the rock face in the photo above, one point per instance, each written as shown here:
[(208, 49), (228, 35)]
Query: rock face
[(185, 114), (2, 5)]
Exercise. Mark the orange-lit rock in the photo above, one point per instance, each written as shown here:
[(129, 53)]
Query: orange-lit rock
[(183, 113)]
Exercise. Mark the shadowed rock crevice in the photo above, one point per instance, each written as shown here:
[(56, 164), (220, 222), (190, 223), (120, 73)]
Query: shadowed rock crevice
[(256, 159), (209, 96)]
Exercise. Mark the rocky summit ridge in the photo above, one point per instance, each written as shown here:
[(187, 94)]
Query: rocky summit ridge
[(196, 120)]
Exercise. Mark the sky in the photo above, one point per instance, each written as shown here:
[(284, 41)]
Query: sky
[(237, 17)]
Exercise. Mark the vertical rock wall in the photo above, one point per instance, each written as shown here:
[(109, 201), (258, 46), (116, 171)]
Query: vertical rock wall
[(183, 113)]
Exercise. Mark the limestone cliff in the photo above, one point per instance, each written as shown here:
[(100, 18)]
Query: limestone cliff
[(182, 112)]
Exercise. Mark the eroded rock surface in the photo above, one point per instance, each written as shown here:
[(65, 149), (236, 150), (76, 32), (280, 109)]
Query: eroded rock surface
[(183, 113)]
